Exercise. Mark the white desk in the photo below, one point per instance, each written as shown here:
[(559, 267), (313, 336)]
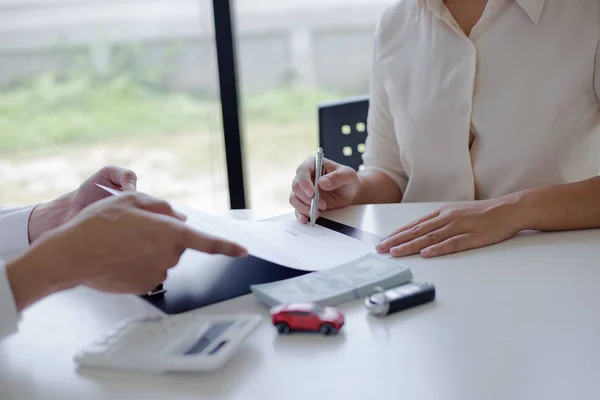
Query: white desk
[(518, 320)]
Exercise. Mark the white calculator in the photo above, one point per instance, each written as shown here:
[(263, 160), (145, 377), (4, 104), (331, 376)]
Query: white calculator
[(170, 343)]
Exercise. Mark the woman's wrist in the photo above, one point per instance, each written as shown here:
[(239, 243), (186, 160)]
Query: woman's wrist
[(376, 187), (561, 207)]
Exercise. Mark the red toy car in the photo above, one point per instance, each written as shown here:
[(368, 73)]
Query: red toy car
[(307, 317)]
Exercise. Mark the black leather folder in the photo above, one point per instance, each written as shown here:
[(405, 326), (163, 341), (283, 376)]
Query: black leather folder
[(201, 279)]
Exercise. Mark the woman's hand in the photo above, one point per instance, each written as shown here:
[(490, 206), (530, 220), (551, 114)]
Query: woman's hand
[(338, 186), (456, 227)]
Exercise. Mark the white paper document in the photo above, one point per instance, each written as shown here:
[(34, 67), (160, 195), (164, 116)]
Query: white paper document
[(288, 243)]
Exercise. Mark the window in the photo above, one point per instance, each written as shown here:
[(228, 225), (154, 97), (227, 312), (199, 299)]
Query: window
[(317, 309), (300, 313), (292, 55), (89, 83)]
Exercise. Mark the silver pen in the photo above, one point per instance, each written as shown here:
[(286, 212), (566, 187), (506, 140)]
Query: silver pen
[(314, 204)]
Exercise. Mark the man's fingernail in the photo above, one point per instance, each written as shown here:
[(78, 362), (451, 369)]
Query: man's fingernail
[(325, 182)]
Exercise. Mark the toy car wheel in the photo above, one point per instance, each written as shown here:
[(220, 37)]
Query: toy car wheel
[(327, 329), (282, 327)]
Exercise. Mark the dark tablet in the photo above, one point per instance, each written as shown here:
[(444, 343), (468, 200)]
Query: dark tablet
[(201, 279)]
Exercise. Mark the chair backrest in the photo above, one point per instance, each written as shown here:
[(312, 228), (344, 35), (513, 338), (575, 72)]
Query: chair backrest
[(343, 130)]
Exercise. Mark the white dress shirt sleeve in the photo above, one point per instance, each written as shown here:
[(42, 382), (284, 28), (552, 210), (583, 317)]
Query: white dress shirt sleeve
[(14, 233), (382, 152), (9, 317), (14, 240), (597, 63)]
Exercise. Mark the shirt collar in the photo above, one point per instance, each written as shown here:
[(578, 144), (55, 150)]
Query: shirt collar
[(533, 8), (436, 6)]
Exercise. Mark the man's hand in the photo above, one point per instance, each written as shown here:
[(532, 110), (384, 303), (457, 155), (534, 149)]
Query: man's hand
[(123, 244), (455, 228), (53, 214), (88, 193)]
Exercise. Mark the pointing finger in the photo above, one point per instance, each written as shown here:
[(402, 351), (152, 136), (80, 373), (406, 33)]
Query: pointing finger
[(193, 239)]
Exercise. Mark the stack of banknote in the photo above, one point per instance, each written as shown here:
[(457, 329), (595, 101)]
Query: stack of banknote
[(337, 285)]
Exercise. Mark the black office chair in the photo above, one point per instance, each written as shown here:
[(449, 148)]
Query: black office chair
[(343, 130)]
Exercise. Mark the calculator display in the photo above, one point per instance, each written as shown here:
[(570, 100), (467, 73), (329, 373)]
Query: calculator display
[(208, 337)]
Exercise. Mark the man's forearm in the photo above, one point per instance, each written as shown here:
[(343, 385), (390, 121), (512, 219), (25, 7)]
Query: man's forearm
[(28, 283), (47, 216), (377, 188), (561, 207), (36, 274)]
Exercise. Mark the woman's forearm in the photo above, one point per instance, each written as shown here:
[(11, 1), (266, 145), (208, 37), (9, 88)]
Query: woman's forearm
[(561, 207), (377, 188)]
